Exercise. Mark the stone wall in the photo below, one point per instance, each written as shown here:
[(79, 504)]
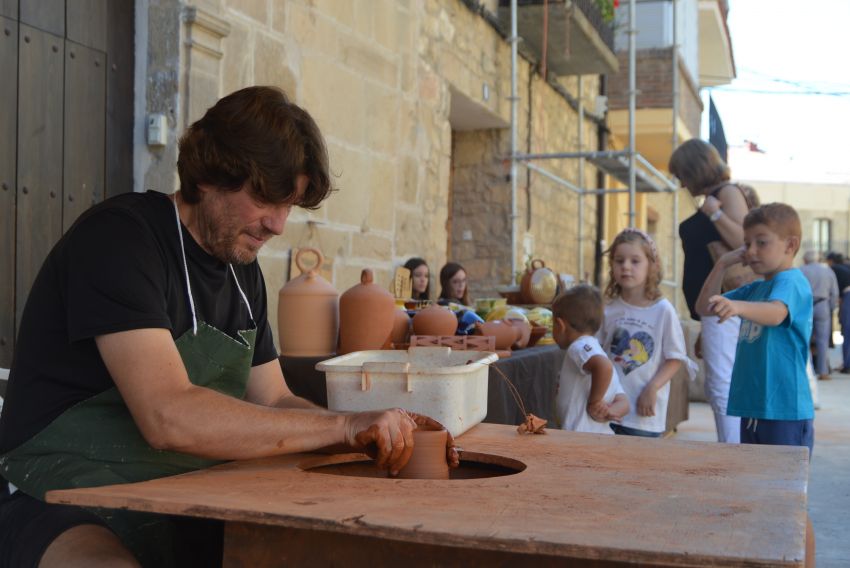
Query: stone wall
[(379, 77)]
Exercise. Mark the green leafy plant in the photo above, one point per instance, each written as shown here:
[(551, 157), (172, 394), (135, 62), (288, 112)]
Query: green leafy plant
[(606, 8)]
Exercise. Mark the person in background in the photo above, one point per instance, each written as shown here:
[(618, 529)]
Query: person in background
[(835, 260), (589, 395), (825, 297), (770, 389), (453, 284), (420, 278), (641, 334), (702, 171)]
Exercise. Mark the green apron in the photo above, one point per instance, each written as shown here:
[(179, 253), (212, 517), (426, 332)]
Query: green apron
[(96, 442)]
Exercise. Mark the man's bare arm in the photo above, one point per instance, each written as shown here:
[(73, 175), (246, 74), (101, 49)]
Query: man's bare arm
[(174, 414)]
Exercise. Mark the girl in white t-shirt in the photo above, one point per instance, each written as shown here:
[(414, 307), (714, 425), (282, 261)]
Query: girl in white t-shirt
[(641, 334), (589, 394)]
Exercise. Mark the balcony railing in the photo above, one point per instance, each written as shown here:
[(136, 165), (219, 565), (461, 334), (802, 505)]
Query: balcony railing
[(579, 41)]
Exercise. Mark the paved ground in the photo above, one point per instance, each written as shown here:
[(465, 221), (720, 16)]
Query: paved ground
[(829, 478)]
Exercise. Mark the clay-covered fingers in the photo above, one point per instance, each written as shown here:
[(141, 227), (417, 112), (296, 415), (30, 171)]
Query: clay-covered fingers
[(385, 435), (427, 423)]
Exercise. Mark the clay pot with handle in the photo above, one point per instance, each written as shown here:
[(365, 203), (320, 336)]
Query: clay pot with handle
[(435, 320), (539, 284), (366, 315), (308, 312)]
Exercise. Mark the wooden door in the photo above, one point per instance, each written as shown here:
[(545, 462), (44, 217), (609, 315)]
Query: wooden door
[(66, 102)]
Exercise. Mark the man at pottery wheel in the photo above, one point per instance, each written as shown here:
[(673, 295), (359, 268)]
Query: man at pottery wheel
[(144, 348)]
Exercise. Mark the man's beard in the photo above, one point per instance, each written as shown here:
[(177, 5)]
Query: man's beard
[(220, 235)]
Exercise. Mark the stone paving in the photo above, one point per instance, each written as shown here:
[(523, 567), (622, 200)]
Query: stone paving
[(829, 478)]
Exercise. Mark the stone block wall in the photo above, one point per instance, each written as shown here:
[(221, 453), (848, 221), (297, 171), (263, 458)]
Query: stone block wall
[(378, 77)]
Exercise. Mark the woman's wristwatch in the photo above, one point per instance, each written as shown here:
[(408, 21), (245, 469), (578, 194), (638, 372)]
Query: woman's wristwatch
[(716, 215)]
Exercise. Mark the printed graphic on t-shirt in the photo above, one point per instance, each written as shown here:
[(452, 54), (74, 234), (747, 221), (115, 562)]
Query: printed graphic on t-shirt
[(750, 331), (631, 351)]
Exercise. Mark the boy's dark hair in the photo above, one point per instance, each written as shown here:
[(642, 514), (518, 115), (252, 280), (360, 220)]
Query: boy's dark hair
[(257, 135), (581, 307), (782, 219)]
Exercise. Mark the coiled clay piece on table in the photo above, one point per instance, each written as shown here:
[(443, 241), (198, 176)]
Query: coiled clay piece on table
[(435, 320), (428, 460), (524, 334)]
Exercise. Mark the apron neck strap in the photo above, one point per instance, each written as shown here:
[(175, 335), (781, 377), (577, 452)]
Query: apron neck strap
[(186, 274)]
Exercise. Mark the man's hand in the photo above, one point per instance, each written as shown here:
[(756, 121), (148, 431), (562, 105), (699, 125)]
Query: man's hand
[(723, 307), (646, 401), (387, 436)]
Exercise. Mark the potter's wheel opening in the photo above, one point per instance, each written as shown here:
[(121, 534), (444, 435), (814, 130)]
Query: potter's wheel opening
[(473, 465)]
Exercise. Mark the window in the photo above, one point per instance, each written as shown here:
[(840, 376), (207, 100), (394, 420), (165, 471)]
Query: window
[(822, 235)]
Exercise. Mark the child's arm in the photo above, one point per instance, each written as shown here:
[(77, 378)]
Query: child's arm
[(618, 408), (647, 398), (712, 285), (601, 370), (769, 314)]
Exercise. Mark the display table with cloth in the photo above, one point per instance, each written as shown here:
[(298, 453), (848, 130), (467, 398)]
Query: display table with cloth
[(602, 500), (534, 373)]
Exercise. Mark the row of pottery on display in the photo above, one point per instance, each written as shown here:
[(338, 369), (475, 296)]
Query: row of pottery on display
[(315, 321)]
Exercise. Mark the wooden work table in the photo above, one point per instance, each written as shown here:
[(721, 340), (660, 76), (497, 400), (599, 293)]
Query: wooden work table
[(606, 500)]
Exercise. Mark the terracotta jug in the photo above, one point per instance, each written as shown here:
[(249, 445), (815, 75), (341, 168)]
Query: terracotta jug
[(308, 312), (428, 460), (539, 284), (504, 333), (366, 314), (435, 320), (401, 327)]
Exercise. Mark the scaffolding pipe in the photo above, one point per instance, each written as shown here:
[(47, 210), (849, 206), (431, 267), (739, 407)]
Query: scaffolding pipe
[(556, 178), (514, 102), (674, 142), (632, 99), (580, 198)]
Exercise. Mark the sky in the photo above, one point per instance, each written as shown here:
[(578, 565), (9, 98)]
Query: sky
[(786, 52)]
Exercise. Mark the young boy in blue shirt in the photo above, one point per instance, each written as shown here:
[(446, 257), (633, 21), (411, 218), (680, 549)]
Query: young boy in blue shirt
[(770, 389)]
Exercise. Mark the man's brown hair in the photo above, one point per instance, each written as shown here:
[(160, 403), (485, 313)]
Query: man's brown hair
[(782, 219), (255, 135), (581, 307)]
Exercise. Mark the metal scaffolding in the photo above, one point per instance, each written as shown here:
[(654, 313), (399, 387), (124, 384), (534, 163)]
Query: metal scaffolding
[(627, 166)]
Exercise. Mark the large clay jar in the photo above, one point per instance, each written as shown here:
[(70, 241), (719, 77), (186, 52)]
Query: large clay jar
[(366, 315), (428, 460), (401, 327), (504, 333), (308, 312), (435, 320)]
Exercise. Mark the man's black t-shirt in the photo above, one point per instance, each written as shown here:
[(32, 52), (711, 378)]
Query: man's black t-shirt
[(118, 268)]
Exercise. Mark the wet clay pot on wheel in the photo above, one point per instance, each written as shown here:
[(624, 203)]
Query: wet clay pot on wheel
[(308, 312), (428, 460), (435, 320), (366, 315)]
